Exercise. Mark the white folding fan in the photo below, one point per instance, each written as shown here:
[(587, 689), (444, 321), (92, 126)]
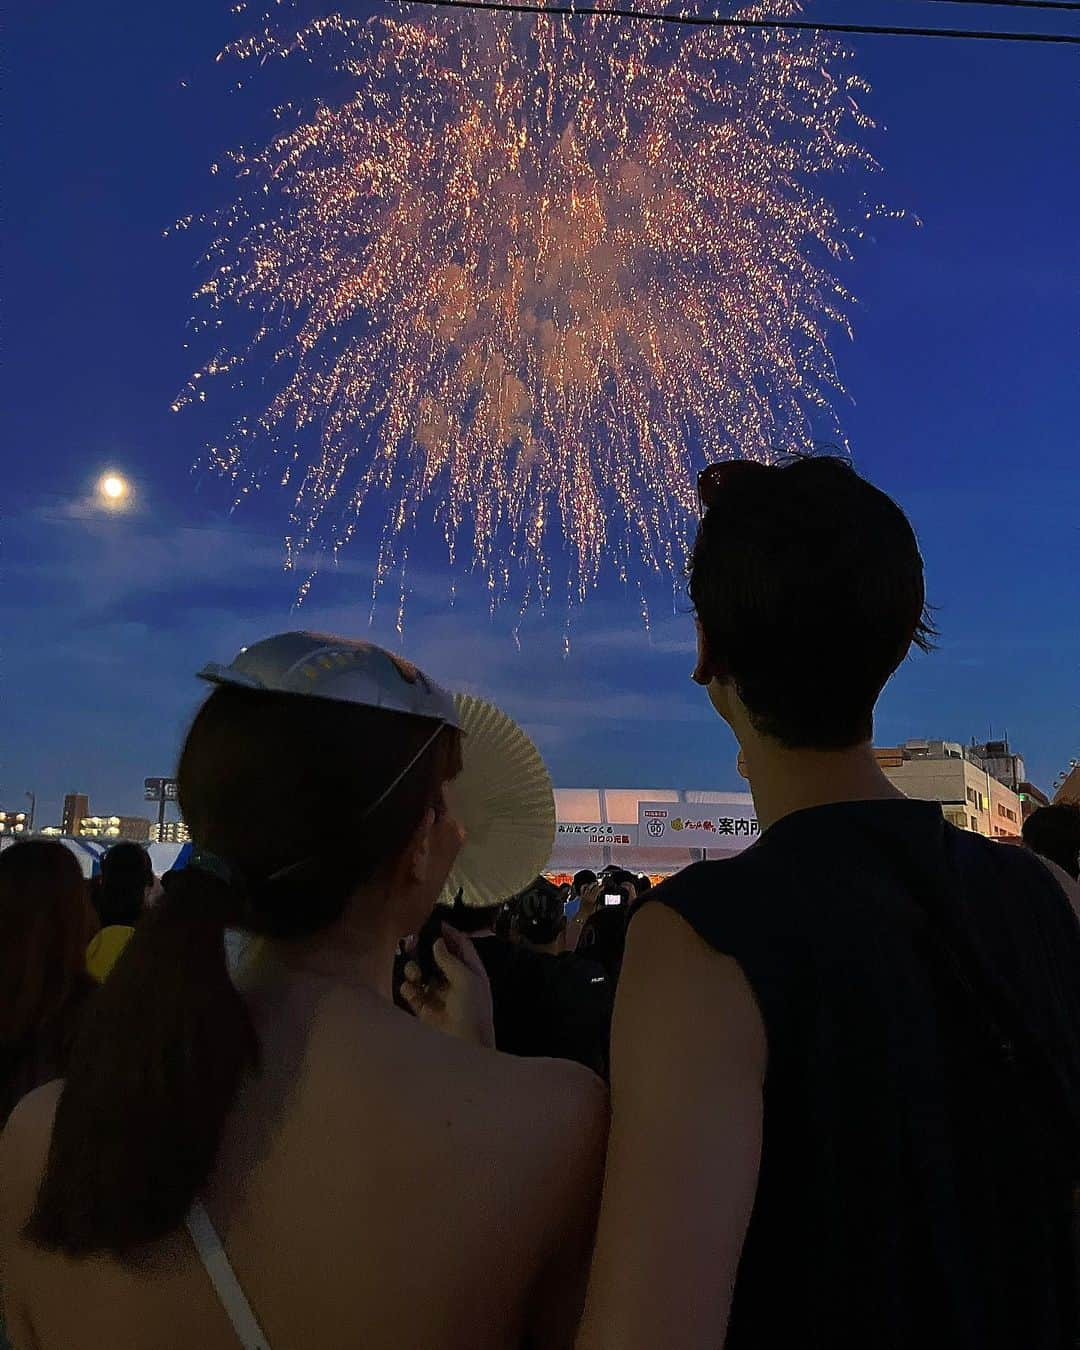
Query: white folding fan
[(504, 799)]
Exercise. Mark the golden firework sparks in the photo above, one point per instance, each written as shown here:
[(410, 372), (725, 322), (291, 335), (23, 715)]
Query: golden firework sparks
[(527, 274)]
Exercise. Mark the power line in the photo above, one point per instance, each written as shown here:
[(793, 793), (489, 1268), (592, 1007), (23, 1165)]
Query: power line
[(1014, 4), (709, 21)]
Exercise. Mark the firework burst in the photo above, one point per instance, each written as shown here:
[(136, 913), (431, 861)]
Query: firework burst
[(525, 275)]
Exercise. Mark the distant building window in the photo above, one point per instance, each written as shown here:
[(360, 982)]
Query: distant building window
[(975, 824), (1011, 814), (973, 796)]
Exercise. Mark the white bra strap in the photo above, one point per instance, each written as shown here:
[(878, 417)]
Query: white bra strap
[(233, 1300)]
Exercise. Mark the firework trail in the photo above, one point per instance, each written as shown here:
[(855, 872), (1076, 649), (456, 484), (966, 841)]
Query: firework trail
[(525, 275)]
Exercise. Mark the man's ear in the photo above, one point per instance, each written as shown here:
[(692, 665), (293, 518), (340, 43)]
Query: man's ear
[(705, 670)]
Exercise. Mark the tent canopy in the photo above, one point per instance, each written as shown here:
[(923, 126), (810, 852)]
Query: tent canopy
[(616, 841)]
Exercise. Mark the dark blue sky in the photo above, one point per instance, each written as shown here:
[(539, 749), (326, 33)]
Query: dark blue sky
[(962, 375)]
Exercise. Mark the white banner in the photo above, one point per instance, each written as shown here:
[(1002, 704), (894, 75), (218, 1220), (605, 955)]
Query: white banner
[(728, 825), (585, 832)]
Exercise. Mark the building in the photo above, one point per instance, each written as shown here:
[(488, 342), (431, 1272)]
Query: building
[(14, 822), (1001, 763), (1031, 799), (137, 828), (99, 827), (957, 776), (76, 810), (171, 832), (1069, 789), (134, 828)]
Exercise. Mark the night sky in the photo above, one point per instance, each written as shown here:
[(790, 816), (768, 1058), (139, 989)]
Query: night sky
[(963, 404)]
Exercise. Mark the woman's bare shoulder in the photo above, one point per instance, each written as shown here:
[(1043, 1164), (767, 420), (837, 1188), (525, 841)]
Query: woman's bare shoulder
[(24, 1146), (546, 1109), (29, 1126), (558, 1092)]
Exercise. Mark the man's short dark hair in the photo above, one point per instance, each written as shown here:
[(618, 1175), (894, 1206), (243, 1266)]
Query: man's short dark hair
[(539, 912), (619, 876), (1054, 832), (120, 894), (808, 585), (584, 878)]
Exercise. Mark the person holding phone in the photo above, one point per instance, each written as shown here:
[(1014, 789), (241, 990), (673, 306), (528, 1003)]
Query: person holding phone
[(599, 930)]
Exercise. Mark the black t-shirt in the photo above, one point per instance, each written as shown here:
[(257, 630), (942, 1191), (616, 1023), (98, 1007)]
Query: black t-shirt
[(913, 1184), (603, 939), (544, 1005)]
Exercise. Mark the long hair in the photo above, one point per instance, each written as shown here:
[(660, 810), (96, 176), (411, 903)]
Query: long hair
[(45, 924), (268, 783)]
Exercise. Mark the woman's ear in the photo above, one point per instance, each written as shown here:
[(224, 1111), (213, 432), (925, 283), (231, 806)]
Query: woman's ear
[(417, 858)]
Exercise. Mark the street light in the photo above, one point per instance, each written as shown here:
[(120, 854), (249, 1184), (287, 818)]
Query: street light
[(32, 799)]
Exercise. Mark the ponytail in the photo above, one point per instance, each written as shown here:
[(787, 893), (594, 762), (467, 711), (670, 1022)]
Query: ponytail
[(168, 1040), (154, 1073)]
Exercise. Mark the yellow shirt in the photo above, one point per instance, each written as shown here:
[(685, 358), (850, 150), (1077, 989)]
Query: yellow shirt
[(103, 951)]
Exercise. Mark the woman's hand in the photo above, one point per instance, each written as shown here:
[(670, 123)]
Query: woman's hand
[(458, 1002)]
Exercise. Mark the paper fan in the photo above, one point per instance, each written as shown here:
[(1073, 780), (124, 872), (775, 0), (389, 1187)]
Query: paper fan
[(504, 799)]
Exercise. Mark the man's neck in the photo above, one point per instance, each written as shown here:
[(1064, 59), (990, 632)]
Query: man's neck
[(784, 781)]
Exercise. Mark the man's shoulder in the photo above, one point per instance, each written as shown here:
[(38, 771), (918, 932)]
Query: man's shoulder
[(1017, 869), (743, 874)]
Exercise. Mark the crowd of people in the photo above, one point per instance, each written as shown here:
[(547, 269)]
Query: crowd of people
[(824, 1092)]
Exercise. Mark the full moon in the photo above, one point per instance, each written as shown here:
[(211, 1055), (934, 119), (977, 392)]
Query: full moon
[(113, 488)]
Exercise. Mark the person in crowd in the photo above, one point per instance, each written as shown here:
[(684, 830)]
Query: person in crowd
[(344, 1174), (1054, 833), (845, 1063), (45, 921), (555, 1002), (546, 1001), (540, 917), (123, 892), (582, 881), (577, 994), (599, 927)]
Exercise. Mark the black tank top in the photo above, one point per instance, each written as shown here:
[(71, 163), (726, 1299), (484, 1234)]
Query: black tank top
[(913, 1188)]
